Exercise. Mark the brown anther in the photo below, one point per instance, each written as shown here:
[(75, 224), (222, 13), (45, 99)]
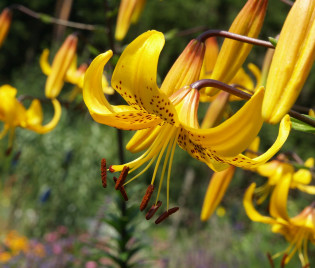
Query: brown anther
[(270, 260), (307, 266), (146, 198), (166, 214), (122, 190), (172, 210), (122, 177), (104, 172), (162, 217), (152, 210), (111, 169), (283, 260)]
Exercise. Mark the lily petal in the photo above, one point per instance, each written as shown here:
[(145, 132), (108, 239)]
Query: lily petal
[(235, 134), (44, 63), (246, 162), (279, 197), (35, 117), (215, 192), (123, 117), (142, 139), (134, 77), (251, 212)]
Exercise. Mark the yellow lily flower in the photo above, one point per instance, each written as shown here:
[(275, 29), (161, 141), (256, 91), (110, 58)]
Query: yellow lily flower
[(5, 22), (297, 230), (62, 67), (134, 78), (233, 53), (129, 12), (292, 61), (14, 114), (276, 170), (184, 71)]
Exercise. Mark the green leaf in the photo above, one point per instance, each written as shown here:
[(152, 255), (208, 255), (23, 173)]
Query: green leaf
[(301, 126), (273, 41)]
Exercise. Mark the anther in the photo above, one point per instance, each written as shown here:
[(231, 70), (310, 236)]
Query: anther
[(103, 172), (270, 260), (122, 190), (283, 260), (161, 218), (152, 210), (166, 214), (172, 210), (146, 198), (122, 177), (111, 169)]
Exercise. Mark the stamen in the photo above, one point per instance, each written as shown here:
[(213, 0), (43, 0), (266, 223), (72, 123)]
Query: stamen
[(285, 255), (122, 190), (104, 172), (122, 177), (111, 169), (166, 214), (161, 218), (152, 210), (270, 260), (146, 197), (172, 210)]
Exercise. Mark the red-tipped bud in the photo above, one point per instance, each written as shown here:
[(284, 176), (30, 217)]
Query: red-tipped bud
[(5, 22)]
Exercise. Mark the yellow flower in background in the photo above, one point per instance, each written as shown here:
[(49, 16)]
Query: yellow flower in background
[(5, 23), (298, 231), (76, 76), (16, 243), (129, 12), (233, 53), (62, 69), (276, 170), (14, 114), (292, 61), (5, 257), (134, 78)]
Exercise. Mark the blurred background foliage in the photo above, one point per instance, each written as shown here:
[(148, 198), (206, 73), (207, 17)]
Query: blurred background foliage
[(53, 180)]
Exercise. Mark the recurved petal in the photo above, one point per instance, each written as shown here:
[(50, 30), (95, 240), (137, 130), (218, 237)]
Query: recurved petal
[(246, 162), (35, 117), (124, 116), (215, 192), (200, 153), (302, 176), (134, 77), (279, 198), (44, 63), (251, 212), (34, 113), (235, 134)]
